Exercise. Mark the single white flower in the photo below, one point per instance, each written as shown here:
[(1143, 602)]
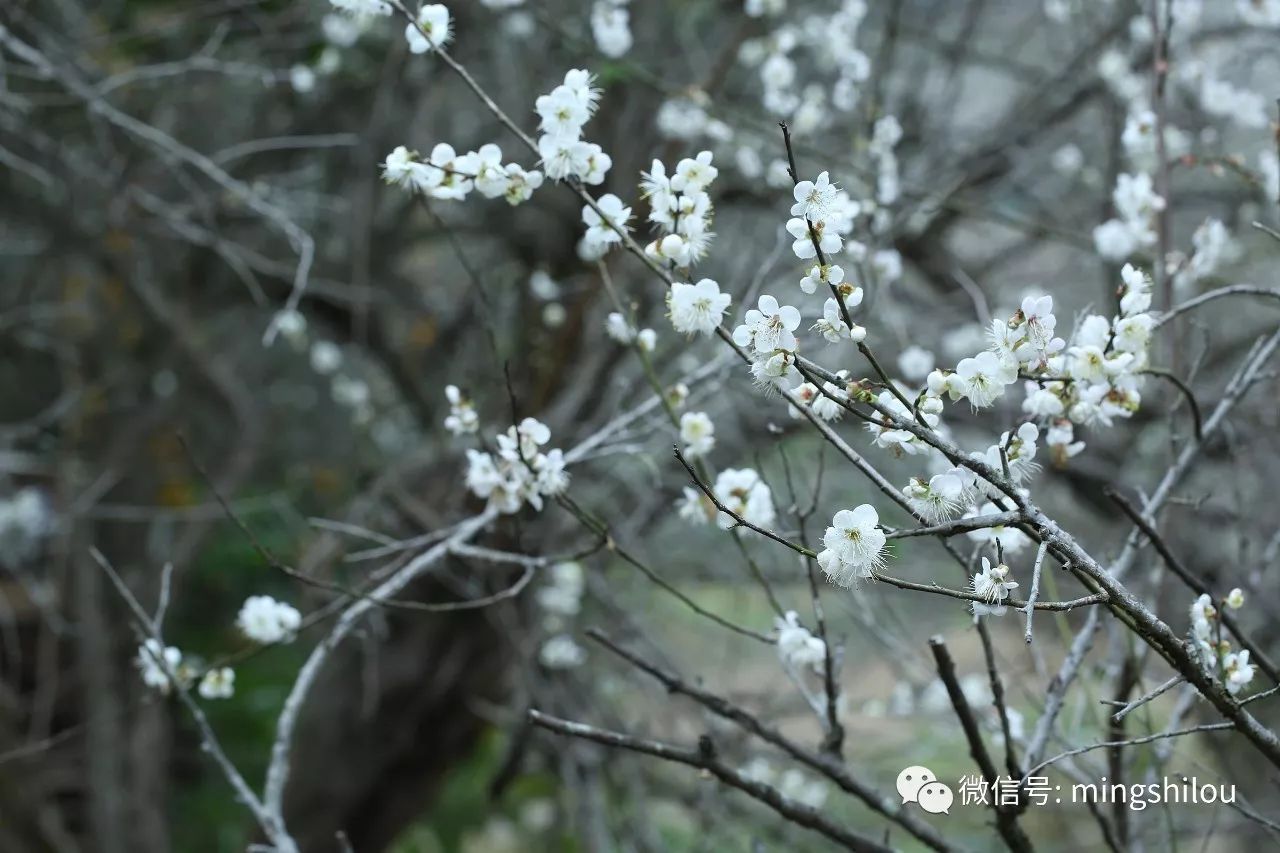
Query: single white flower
[(985, 377), (937, 499), (218, 683), (993, 585), (1238, 670), (854, 545), (697, 308), (769, 327), (431, 30), (814, 198), (698, 434), (797, 647)]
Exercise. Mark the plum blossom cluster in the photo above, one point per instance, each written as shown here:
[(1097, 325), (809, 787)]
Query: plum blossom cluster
[(1216, 653), (680, 209), (162, 667), (1134, 227), (267, 621), (448, 175), (563, 112), (560, 599), (462, 419), (742, 490), (1097, 378), (824, 402), (767, 333), (520, 472)]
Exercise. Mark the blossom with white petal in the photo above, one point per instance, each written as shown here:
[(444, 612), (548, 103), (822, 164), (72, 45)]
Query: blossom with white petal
[(853, 546), (814, 198), (607, 221), (218, 683), (697, 308), (698, 434), (797, 647), (985, 377), (432, 29), (833, 327), (993, 585), (828, 240), (830, 275), (265, 620), (937, 499), (462, 419), (744, 493), (768, 327), (1011, 539), (1204, 618), (1238, 670), (155, 664)]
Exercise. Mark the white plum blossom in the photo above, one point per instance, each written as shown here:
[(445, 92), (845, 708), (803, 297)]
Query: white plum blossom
[(985, 377), (611, 27), (562, 596), (520, 472), (828, 240), (820, 402), (938, 499), (617, 327), (830, 275), (218, 683), (606, 222), (698, 434), (814, 198), (1011, 539), (853, 546), (769, 327), (462, 419), (833, 328), (680, 208), (265, 620), (156, 663), (992, 584), (745, 494), (797, 647), (431, 30), (1204, 618), (1238, 670), (697, 308)]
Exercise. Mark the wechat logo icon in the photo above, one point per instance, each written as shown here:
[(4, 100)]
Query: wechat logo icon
[(919, 785)]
